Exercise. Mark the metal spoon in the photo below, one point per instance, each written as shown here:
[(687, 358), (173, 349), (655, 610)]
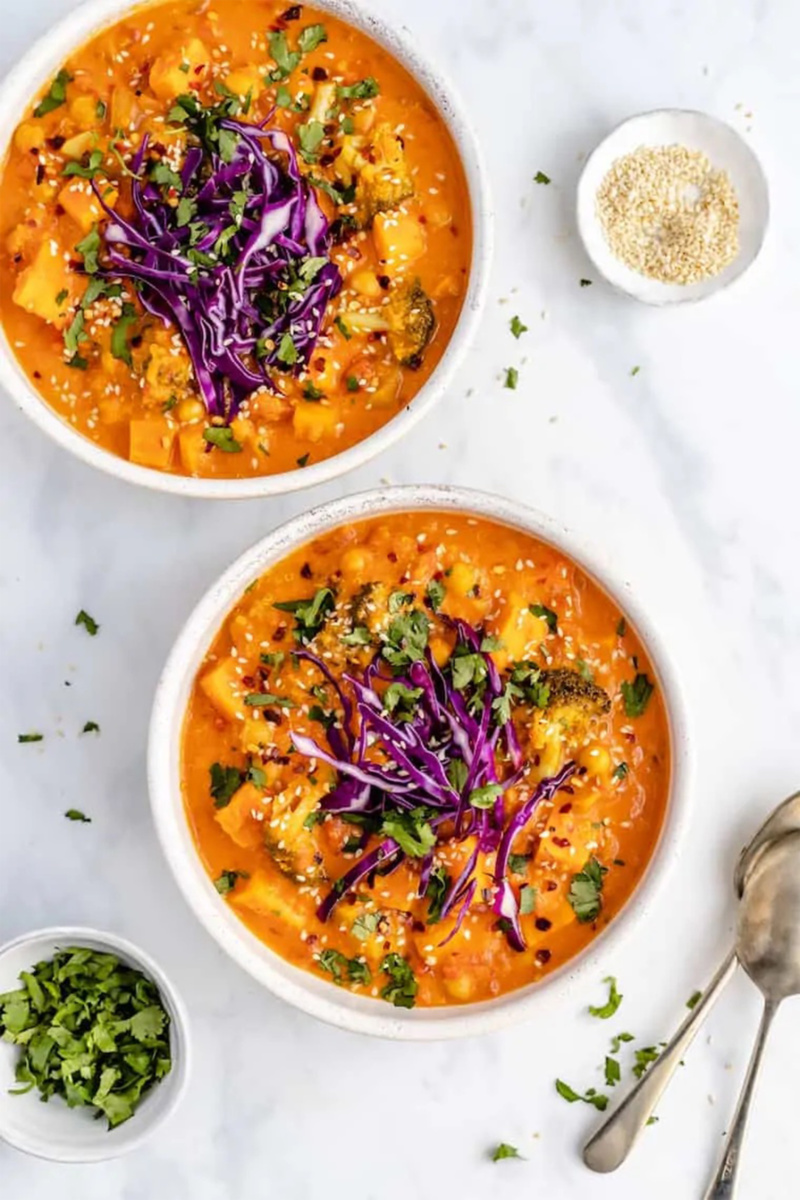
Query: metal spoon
[(608, 1148), (768, 947)]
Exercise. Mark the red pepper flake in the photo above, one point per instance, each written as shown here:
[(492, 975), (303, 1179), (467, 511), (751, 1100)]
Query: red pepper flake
[(550, 885), (318, 74), (306, 571), (559, 841), (384, 281), (542, 924), (542, 957), (565, 808), (293, 13), (392, 557)]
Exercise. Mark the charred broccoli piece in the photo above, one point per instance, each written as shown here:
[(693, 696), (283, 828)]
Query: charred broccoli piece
[(571, 698), (383, 180), (411, 322), (407, 319)]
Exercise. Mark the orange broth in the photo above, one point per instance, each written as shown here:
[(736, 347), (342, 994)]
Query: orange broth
[(275, 856), (137, 395)]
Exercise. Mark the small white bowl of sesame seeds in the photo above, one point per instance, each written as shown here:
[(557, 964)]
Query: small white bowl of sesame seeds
[(672, 206)]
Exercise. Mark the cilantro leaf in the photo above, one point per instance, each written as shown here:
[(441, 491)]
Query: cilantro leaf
[(584, 891), (311, 37), (517, 328), (89, 623), (604, 1011), (30, 737), (435, 593), (365, 89), (411, 831), (402, 988), (540, 177), (55, 96), (512, 378), (551, 617), (504, 1150), (226, 882), (222, 437), (636, 695), (310, 137), (75, 814), (224, 782), (436, 892), (311, 614)]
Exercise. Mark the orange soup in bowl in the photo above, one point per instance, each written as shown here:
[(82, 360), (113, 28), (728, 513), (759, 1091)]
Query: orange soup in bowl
[(427, 758), (235, 238)]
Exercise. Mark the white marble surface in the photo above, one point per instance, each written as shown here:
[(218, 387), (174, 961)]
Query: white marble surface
[(682, 473)]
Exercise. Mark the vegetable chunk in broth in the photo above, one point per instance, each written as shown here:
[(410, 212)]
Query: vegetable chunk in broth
[(426, 757), (234, 238)]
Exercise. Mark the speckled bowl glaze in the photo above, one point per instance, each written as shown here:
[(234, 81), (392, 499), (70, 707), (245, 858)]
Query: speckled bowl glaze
[(361, 1014), (39, 65), (72, 1135)]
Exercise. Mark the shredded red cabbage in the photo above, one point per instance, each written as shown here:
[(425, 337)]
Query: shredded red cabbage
[(442, 764), (233, 251)]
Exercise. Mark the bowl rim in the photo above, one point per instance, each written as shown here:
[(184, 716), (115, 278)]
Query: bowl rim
[(128, 1136), (37, 65), (584, 210), (293, 984)]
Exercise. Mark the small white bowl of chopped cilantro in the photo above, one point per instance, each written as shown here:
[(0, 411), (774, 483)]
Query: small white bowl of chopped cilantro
[(91, 1025), (672, 206)]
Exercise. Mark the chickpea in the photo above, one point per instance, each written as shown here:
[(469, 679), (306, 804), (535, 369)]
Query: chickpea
[(597, 760), (190, 410)]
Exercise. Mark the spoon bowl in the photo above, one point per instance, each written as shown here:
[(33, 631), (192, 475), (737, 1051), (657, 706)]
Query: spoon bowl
[(784, 819)]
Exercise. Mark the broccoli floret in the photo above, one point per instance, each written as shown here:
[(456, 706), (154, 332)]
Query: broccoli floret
[(408, 320), (383, 178), (411, 322), (571, 698)]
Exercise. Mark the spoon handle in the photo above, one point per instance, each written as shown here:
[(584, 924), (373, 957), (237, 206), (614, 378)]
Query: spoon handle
[(612, 1143), (725, 1179)]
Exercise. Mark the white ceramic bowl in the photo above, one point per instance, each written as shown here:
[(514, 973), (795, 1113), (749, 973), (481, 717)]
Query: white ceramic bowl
[(72, 1135), (725, 149), (40, 64), (298, 987)]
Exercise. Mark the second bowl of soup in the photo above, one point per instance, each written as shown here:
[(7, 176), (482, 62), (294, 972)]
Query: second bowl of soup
[(410, 759), (237, 241)]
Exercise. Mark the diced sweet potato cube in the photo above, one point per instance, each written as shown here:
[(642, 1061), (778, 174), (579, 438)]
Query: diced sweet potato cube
[(193, 449), (399, 237), (42, 282), (517, 628), (79, 202), (270, 897), (224, 688), (168, 76), (237, 817), (315, 421), (151, 442)]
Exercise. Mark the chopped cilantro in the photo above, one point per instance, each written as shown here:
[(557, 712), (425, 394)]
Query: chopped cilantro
[(411, 831), (435, 593), (224, 782), (285, 59), (591, 1096), (55, 96), (617, 1041), (87, 167), (694, 999), (620, 771), (547, 614), (90, 1029), (527, 899), (89, 623), (636, 695), (343, 328), (30, 737), (75, 814), (311, 614), (604, 1011), (365, 925), (119, 334), (226, 882), (635, 370), (584, 891), (517, 328), (540, 177), (310, 137), (365, 89), (518, 863), (91, 727), (622, 627), (512, 378), (585, 282), (222, 437), (351, 383), (436, 892), (644, 1059), (267, 700), (484, 797), (302, 461), (401, 990), (504, 1150), (612, 1071), (311, 37), (343, 969)]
